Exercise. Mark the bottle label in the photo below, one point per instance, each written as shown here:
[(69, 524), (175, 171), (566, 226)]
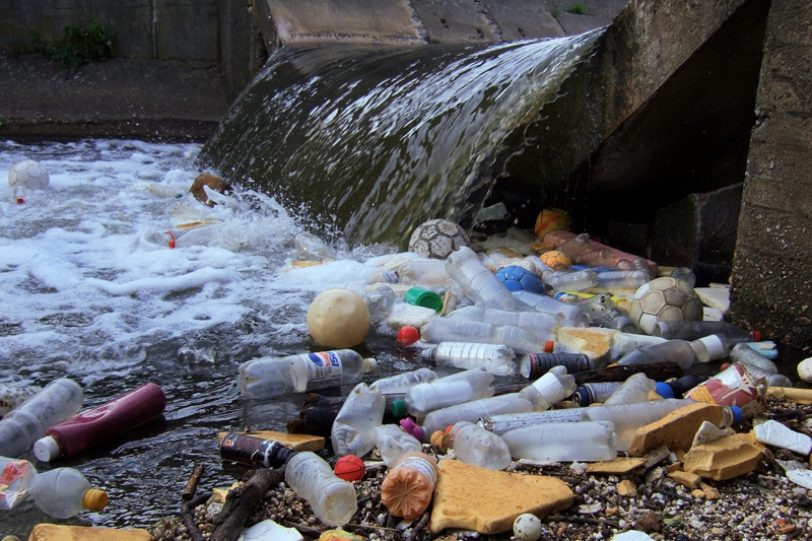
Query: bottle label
[(420, 464), (11, 479), (324, 366)]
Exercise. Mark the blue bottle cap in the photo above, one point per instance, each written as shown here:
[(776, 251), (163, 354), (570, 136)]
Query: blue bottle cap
[(664, 390), (738, 414)]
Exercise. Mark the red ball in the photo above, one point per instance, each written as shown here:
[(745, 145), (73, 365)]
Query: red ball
[(349, 468), (408, 335)]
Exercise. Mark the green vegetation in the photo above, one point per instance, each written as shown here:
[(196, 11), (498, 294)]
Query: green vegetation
[(79, 45), (578, 9)]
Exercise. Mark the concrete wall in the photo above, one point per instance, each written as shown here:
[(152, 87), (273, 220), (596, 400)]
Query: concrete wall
[(772, 289)]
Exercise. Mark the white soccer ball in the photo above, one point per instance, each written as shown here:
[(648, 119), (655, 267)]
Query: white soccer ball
[(28, 174), (437, 239), (664, 299)]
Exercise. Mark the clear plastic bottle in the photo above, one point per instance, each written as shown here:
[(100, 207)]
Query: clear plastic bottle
[(400, 383), (570, 315), (379, 299), (627, 418), (541, 324), (570, 280), (635, 389), (742, 353), (267, 377), (691, 330), (443, 329), (24, 425), (13, 394), (623, 343), (535, 365), (604, 313), (407, 489), (681, 352), (478, 283), (504, 422), (550, 389), (354, 427), (392, 443), (60, 493), (585, 441), (475, 445), (332, 499), (413, 271), (590, 393), (449, 390), (495, 358), (473, 410), (622, 279)]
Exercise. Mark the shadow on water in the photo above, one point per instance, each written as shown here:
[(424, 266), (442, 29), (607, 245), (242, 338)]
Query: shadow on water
[(373, 142)]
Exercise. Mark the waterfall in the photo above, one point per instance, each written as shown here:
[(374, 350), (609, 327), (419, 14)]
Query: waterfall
[(369, 142)]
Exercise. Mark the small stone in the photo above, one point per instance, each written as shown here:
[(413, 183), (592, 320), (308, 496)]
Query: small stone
[(687, 479), (710, 493), (627, 488), (649, 522), (11, 538)]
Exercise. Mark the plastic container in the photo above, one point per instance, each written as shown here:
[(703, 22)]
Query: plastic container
[(267, 377), (407, 489), (443, 329), (622, 279), (254, 451), (475, 445), (504, 422), (584, 441), (13, 394), (379, 300), (570, 315), (97, 425), (447, 391), (473, 410), (354, 427), (400, 383), (733, 386), (542, 325), (691, 330), (477, 282), (392, 443), (535, 365), (495, 358), (549, 389), (332, 499), (21, 427), (635, 389)]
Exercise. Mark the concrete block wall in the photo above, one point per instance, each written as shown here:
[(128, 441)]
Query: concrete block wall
[(772, 271)]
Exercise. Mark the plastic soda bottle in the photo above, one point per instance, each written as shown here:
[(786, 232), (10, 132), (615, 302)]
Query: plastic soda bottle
[(407, 489), (92, 427), (332, 499)]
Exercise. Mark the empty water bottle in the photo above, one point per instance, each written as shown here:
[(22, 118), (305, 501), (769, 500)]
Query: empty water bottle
[(495, 358), (332, 499), (570, 280), (353, 430), (624, 343), (413, 271), (681, 352), (392, 443), (443, 329), (570, 315), (622, 279), (477, 282), (627, 418), (400, 383), (449, 390), (475, 445), (267, 377), (550, 389), (504, 422), (14, 394), (379, 300), (584, 441), (635, 389), (691, 330), (21, 427), (541, 324), (473, 410)]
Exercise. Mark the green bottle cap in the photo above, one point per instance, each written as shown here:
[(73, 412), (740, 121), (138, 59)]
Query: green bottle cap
[(398, 408), (426, 298)]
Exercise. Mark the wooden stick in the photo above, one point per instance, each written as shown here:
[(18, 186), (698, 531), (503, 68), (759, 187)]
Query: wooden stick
[(186, 510), (241, 502), (194, 480), (583, 520)]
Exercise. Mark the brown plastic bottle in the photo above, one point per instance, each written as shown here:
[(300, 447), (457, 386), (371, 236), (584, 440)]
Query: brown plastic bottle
[(407, 489)]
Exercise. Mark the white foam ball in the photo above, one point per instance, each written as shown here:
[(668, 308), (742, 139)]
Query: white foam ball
[(338, 318), (805, 370), (527, 527)]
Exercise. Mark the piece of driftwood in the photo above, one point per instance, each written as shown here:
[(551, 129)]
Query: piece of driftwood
[(194, 480), (187, 516), (241, 502)]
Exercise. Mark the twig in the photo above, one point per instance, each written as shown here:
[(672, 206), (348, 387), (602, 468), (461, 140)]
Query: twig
[(241, 502), (186, 509), (302, 528), (194, 480), (583, 520)]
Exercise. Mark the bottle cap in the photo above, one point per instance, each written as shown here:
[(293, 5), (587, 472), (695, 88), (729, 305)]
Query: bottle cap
[(715, 347), (46, 449), (738, 414), (664, 390), (408, 335), (369, 364), (426, 298), (412, 428), (549, 346), (428, 353), (755, 334), (94, 499), (399, 408)]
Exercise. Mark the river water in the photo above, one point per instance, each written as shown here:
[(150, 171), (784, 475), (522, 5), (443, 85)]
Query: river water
[(90, 290)]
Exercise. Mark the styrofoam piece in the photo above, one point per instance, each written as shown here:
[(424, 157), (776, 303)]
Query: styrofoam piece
[(805, 370), (778, 435), (715, 297), (268, 530), (801, 477), (632, 535)]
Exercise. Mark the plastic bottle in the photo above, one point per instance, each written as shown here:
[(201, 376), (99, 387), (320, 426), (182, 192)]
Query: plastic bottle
[(353, 430), (589, 393), (570, 315), (549, 389), (570, 280), (21, 427), (682, 352), (473, 410), (254, 451), (60, 493), (635, 389), (603, 312), (443, 329), (691, 330), (417, 270), (379, 300), (392, 443), (622, 279), (477, 282), (742, 353), (585, 441), (541, 324), (624, 343), (13, 394), (447, 391), (475, 445), (495, 358), (400, 383), (407, 489), (94, 426), (504, 422), (267, 377), (535, 365), (332, 499)]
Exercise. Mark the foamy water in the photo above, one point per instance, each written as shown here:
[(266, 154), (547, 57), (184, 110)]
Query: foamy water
[(90, 290)]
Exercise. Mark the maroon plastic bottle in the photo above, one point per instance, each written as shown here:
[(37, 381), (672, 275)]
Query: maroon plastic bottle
[(94, 426)]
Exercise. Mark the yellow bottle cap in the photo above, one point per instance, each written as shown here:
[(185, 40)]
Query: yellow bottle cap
[(94, 499)]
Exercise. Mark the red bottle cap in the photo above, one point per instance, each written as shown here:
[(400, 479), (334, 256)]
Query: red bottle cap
[(20, 200), (549, 346), (408, 335), (755, 334)]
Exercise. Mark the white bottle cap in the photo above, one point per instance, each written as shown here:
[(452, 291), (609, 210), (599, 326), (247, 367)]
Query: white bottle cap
[(715, 347), (46, 449), (370, 364)]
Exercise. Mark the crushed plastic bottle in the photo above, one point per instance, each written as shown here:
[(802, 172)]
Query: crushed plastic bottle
[(392, 443), (354, 427), (541, 324), (635, 389), (475, 445)]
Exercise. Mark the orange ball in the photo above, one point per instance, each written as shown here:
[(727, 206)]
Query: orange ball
[(349, 468), (556, 260)]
